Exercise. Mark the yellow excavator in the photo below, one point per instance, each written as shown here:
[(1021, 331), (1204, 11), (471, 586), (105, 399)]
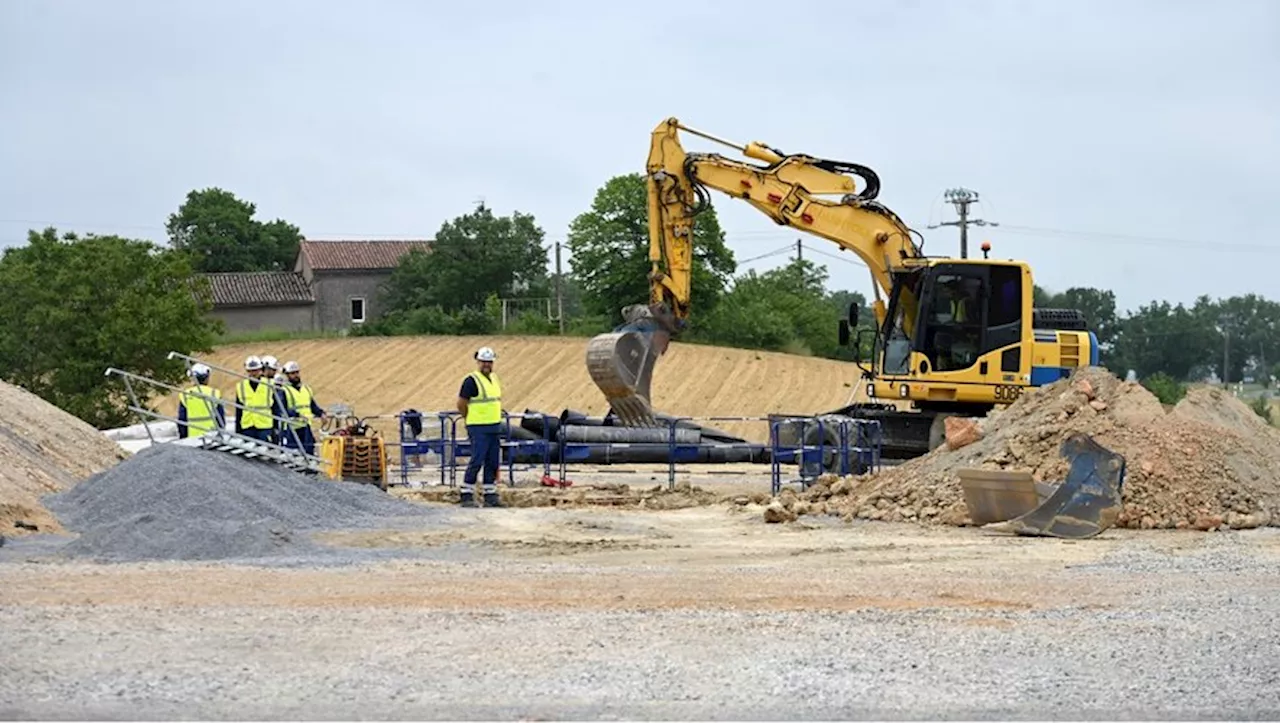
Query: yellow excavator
[(951, 336)]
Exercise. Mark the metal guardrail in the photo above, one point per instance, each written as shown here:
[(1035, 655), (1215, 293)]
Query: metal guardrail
[(218, 436), (843, 445)]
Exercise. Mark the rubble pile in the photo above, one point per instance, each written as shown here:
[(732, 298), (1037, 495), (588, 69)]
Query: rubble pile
[(1208, 463)]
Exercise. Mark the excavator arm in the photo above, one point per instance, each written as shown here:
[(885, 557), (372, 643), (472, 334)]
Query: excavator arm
[(813, 195)]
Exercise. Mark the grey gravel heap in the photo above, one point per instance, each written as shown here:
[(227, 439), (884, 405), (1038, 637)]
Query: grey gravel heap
[(177, 503)]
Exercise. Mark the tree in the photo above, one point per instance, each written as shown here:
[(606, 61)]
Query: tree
[(1161, 337), (610, 252), (474, 257), (74, 306), (220, 233), (783, 309)]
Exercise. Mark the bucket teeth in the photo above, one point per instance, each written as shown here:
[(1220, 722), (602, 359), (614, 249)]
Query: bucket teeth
[(621, 365)]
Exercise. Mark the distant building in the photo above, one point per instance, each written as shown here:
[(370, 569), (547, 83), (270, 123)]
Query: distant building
[(334, 285)]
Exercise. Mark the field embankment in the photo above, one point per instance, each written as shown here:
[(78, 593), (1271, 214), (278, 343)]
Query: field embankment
[(385, 375)]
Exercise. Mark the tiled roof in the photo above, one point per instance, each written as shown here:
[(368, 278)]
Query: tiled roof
[(259, 288), (357, 255)]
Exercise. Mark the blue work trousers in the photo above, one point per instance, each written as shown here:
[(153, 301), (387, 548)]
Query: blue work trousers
[(486, 449), (262, 435), (305, 436)]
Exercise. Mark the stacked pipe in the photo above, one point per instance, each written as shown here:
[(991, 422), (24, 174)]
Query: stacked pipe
[(602, 440)]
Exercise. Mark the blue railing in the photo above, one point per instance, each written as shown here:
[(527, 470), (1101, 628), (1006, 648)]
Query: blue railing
[(816, 445)]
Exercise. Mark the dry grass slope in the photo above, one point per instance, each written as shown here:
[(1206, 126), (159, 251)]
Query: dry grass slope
[(385, 375)]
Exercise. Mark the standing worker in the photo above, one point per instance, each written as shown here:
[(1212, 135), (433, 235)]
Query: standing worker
[(200, 409), (255, 404), (480, 402), (274, 378), (301, 409)]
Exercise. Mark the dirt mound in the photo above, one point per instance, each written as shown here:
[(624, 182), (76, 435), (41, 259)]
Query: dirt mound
[(171, 502), (1208, 463), (43, 450)]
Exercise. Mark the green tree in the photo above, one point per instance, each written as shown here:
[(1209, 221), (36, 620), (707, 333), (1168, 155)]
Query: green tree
[(473, 256), (72, 307), (1161, 337), (220, 233), (610, 252), (784, 309)]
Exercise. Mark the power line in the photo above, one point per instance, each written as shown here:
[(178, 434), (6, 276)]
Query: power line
[(1076, 235), (775, 252)]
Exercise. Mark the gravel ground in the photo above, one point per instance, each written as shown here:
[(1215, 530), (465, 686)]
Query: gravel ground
[(714, 617)]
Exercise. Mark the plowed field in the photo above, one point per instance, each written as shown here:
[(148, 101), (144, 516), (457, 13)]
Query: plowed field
[(385, 375)]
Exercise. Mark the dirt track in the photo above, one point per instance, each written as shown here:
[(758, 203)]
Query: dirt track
[(549, 374), (703, 613)]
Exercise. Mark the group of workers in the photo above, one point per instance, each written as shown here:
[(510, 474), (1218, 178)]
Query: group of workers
[(272, 405), (271, 392)]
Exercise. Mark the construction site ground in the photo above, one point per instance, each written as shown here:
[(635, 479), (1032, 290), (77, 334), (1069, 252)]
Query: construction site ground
[(183, 583), (614, 611)]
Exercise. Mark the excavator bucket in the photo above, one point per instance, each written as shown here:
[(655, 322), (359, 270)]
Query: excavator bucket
[(1082, 506), (621, 364)]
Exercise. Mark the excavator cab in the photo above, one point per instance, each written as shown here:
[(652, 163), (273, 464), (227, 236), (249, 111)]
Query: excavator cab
[(953, 322)]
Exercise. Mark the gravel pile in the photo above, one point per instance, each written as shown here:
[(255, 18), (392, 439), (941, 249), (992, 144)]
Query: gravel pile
[(177, 503)]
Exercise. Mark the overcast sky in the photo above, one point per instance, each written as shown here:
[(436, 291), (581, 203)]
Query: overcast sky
[(1126, 145)]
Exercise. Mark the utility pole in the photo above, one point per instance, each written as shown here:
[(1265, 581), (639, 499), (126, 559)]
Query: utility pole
[(961, 198), (799, 250), (1224, 322), (559, 292), (1226, 346)]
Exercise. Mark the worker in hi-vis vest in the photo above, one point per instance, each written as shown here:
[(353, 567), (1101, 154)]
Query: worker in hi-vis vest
[(480, 403), (200, 409), (256, 404), (302, 410)]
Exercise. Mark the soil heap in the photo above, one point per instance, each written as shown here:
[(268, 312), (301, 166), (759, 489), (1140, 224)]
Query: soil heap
[(170, 502), (43, 450), (1210, 462)]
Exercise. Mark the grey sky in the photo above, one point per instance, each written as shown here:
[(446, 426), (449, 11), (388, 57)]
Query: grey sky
[(383, 119)]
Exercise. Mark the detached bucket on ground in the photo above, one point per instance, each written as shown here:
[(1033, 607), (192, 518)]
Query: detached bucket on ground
[(1084, 505)]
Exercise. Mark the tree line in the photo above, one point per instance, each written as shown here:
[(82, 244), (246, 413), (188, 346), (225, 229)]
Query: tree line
[(79, 304)]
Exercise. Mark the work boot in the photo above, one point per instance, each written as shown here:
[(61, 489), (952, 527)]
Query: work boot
[(469, 499), (491, 499)]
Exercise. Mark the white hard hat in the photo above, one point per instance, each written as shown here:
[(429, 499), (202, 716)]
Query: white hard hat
[(486, 354), (252, 362), (270, 362), (200, 370), (291, 367)]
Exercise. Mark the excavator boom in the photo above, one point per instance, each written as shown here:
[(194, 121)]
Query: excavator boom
[(815, 195)]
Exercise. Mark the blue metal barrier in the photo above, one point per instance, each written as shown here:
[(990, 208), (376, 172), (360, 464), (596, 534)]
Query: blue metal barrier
[(449, 448), (844, 446)]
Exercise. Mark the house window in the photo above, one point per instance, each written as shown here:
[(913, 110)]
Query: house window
[(357, 311)]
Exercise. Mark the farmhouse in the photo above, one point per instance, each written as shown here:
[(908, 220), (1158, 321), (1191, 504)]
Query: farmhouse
[(333, 286)]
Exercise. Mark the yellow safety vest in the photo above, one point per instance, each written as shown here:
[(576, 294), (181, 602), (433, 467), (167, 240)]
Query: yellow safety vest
[(487, 407), (958, 311), (200, 411), (299, 399), (257, 405)]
